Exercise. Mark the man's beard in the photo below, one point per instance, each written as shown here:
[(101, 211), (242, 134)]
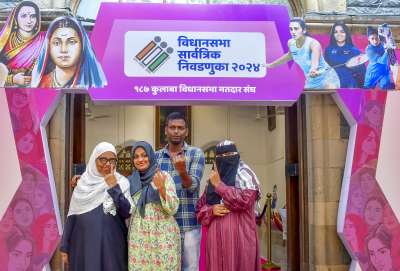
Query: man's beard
[(175, 142)]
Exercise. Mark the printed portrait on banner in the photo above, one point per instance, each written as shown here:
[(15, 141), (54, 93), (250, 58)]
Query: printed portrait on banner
[(345, 58), (61, 58), (20, 42), (306, 52), (66, 59), (340, 63)]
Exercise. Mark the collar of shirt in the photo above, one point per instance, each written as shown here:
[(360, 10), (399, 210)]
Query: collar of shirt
[(184, 149)]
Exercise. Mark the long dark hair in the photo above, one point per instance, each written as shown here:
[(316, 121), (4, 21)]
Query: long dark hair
[(348, 40)]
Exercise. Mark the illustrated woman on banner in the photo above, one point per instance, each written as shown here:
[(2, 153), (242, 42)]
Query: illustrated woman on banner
[(355, 230), (20, 43), (23, 215), (366, 147), (67, 59), (20, 252), (41, 199), (373, 115), (30, 178), (307, 53), (356, 199), (30, 152), (364, 178), (23, 113), (341, 50), (373, 212), (7, 228), (45, 232), (378, 246)]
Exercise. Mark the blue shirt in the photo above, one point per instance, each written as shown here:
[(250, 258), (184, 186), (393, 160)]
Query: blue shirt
[(349, 77), (186, 214), (378, 70)]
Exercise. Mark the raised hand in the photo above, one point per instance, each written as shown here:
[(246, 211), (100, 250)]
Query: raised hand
[(179, 162), (215, 179), (74, 181), (110, 178), (159, 180)]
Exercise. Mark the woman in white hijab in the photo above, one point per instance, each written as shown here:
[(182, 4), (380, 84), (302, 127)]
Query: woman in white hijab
[(95, 232)]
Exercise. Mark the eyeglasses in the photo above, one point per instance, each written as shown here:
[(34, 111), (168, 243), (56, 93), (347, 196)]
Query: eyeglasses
[(104, 161), (226, 154)]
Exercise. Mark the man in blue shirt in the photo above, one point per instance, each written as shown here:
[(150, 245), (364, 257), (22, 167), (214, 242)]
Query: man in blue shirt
[(185, 164)]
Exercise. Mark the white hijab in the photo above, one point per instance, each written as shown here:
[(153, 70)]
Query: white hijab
[(91, 190)]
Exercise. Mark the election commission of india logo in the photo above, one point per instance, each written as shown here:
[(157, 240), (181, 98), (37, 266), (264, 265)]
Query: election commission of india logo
[(154, 54)]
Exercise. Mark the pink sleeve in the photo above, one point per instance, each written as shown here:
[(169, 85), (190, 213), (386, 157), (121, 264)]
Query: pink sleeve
[(204, 212), (236, 199)]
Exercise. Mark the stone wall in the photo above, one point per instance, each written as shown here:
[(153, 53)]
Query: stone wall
[(324, 5), (382, 7)]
